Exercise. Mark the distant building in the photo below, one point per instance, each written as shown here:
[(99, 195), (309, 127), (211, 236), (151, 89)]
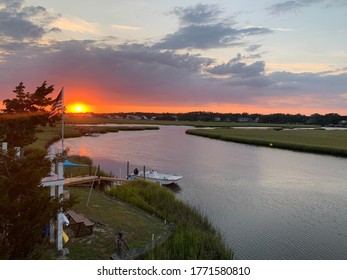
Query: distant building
[(133, 117), (244, 119)]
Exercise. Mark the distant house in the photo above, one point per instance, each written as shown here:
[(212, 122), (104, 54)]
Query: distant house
[(133, 117), (115, 117), (244, 119)]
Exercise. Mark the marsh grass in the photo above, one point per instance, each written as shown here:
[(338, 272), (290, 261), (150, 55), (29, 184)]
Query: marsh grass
[(332, 142), (193, 238), (46, 136)]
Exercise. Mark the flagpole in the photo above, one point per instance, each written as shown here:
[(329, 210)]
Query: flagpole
[(62, 122), (61, 187)]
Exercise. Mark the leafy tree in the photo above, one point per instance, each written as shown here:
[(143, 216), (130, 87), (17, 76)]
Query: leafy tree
[(26, 102), (25, 208), (23, 113), (18, 104)]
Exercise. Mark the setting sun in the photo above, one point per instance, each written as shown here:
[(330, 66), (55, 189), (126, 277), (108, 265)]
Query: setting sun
[(78, 108)]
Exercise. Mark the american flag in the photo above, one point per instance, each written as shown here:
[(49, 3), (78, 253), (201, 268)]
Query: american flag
[(57, 105)]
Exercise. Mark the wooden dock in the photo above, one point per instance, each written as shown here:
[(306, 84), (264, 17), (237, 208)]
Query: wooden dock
[(89, 179)]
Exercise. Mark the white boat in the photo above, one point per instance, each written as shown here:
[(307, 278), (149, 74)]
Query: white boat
[(161, 178), (93, 134)]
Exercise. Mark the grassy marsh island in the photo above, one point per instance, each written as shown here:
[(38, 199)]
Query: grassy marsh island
[(321, 141), (46, 136)]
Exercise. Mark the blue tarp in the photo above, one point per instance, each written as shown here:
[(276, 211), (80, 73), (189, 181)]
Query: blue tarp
[(68, 163)]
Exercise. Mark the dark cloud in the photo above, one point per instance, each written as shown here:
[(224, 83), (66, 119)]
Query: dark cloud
[(55, 29), (207, 37), (237, 68), (199, 14), (296, 5), (314, 83), (17, 21), (252, 85), (253, 48), (147, 54), (202, 27), (18, 28), (12, 5)]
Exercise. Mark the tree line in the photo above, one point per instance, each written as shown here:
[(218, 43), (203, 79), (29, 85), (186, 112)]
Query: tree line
[(277, 118)]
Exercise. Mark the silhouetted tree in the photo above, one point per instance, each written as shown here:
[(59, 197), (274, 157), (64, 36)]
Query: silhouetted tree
[(23, 113)]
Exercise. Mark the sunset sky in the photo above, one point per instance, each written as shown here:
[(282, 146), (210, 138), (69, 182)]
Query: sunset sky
[(265, 56)]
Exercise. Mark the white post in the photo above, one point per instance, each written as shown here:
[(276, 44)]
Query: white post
[(51, 157), (59, 216), (17, 151), (4, 146), (60, 171), (62, 121), (52, 191), (60, 231)]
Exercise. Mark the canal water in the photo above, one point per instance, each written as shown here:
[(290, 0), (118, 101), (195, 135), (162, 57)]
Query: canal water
[(267, 203)]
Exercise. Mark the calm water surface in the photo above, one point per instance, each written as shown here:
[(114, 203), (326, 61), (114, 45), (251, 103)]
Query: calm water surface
[(267, 203)]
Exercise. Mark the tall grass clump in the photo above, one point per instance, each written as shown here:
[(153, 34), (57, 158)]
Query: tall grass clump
[(193, 237)]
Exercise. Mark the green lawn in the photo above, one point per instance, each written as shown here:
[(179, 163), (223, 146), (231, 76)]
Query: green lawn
[(111, 216)]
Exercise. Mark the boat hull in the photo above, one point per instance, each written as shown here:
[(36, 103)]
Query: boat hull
[(163, 179)]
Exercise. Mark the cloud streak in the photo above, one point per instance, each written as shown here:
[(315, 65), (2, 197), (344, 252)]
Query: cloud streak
[(297, 5), (75, 25), (125, 27)]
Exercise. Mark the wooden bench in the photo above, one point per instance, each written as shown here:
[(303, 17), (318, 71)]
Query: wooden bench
[(80, 219)]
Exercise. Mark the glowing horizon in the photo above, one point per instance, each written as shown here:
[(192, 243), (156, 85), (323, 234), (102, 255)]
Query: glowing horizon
[(109, 109)]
